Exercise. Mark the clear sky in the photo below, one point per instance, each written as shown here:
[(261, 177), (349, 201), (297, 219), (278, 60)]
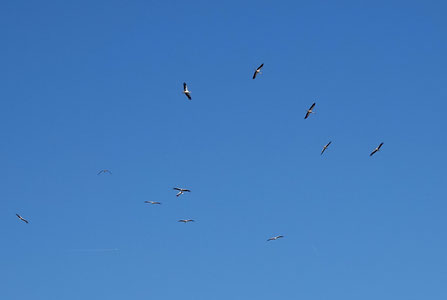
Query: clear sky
[(91, 85)]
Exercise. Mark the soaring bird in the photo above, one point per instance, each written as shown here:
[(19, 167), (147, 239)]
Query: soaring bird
[(185, 91), (275, 238), (310, 111), (181, 191), (104, 171), (325, 147), (152, 202), (18, 216), (377, 149), (186, 220), (258, 70)]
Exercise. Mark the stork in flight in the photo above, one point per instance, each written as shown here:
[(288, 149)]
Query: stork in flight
[(185, 91), (310, 111), (258, 70), (275, 238), (152, 202), (24, 220), (377, 149), (181, 191), (325, 147), (104, 171), (186, 220)]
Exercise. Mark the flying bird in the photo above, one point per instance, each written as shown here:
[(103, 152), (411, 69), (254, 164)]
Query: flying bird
[(181, 191), (377, 149), (275, 238), (185, 91), (310, 111), (258, 70), (24, 220), (325, 147), (186, 221), (104, 171), (152, 202)]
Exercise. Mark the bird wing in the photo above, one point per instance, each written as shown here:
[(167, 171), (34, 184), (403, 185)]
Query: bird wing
[(185, 87), (372, 153), (307, 114), (380, 145), (254, 75), (185, 190), (100, 172), (188, 95), (177, 189), (18, 216), (260, 67), (329, 144), (26, 221), (322, 151), (312, 106), (279, 236)]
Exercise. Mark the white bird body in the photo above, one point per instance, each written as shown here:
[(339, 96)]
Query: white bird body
[(186, 220), (186, 91), (275, 238), (181, 191), (258, 71), (310, 111)]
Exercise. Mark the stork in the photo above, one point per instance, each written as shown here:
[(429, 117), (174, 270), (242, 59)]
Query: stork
[(152, 202), (376, 150), (24, 220), (310, 111), (186, 220), (275, 238), (185, 91), (258, 70), (104, 171), (181, 191), (325, 147)]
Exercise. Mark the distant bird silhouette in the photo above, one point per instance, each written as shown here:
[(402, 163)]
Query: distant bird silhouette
[(275, 238), (181, 191), (186, 220), (258, 70), (104, 171), (376, 150), (310, 111), (325, 147), (185, 91), (152, 202), (24, 220)]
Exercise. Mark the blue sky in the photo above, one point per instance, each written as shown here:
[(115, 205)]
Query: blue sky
[(90, 85)]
